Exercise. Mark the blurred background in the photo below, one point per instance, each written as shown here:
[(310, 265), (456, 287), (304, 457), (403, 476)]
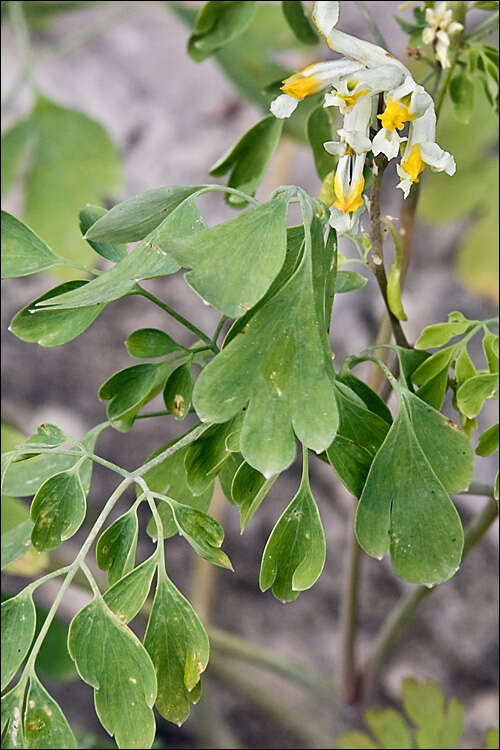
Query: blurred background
[(154, 117)]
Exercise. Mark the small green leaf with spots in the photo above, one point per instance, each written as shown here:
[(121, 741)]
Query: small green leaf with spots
[(126, 597), (45, 726), (115, 550), (18, 629), (178, 391), (178, 646), (111, 659), (58, 510)]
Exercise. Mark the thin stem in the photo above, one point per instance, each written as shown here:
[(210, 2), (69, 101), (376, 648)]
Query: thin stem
[(185, 440), (349, 620), (178, 317), (53, 574), (18, 20), (79, 559), (378, 248), (217, 331), (160, 413), (486, 27), (371, 23), (404, 611)]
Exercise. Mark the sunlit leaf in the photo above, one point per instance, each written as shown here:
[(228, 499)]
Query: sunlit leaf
[(436, 726), (440, 333), (474, 392)]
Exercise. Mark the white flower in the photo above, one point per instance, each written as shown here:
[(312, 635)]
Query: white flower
[(440, 25), (355, 130), (307, 82), (387, 142), (347, 89), (422, 151)]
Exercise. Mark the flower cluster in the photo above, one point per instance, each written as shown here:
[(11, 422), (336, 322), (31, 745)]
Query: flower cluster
[(440, 26), (353, 84)]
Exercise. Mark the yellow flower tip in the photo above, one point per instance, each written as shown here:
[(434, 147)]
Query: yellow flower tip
[(351, 99), (414, 165), (353, 201), (395, 116), (299, 85)]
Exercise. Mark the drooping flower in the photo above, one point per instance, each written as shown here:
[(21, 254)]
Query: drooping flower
[(440, 26), (366, 71)]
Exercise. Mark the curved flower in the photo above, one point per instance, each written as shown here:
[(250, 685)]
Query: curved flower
[(440, 25), (422, 151)]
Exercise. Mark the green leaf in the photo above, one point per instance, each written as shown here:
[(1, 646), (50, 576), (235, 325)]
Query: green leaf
[(281, 367), (462, 95), (319, 130), (300, 22), (490, 349), (227, 472), (464, 367), (126, 597), (370, 398), (136, 217), (492, 739), (53, 327), (404, 506), (45, 725), (112, 660), (72, 161), (49, 435), (23, 253), (348, 281), (424, 704), (115, 252), (115, 550), (357, 740), (170, 478), (248, 159), (488, 441), (58, 510), (18, 629), (440, 333), (178, 391), (16, 542), (474, 392), (235, 262), (15, 150), (389, 728), (361, 433), (248, 489), (295, 552), (206, 455), (147, 343), (128, 390), (12, 723), (148, 260), (201, 531), (178, 646), (432, 376), (218, 24)]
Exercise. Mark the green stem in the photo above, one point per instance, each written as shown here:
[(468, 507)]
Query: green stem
[(178, 317), (219, 329), (371, 23), (404, 611), (349, 620), (79, 559)]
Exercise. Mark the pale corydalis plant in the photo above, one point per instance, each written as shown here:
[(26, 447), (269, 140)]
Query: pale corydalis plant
[(366, 71)]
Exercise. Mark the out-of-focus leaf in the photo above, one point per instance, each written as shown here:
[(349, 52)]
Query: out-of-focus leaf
[(217, 24), (18, 629), (488, 441), (300, 22), (15, 149), (319, 130), (23, 253)]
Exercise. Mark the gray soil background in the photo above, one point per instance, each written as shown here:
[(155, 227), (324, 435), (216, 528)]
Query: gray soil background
[(171, 119)]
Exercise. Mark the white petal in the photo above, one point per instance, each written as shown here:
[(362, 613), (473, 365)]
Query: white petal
[(344, 223), (387, 142), (454, 27), (283, 106), (438, 159), (404, 185), (359, 142), (428, 35), (338, 148), (366, 53), (325, 16)]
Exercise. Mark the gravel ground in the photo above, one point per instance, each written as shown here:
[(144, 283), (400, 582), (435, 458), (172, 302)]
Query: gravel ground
[(171, 119)]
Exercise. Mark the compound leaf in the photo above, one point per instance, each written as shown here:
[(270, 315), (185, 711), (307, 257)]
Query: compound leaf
[(281, 367), (178, 646), (436, 727), (112, 660)]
